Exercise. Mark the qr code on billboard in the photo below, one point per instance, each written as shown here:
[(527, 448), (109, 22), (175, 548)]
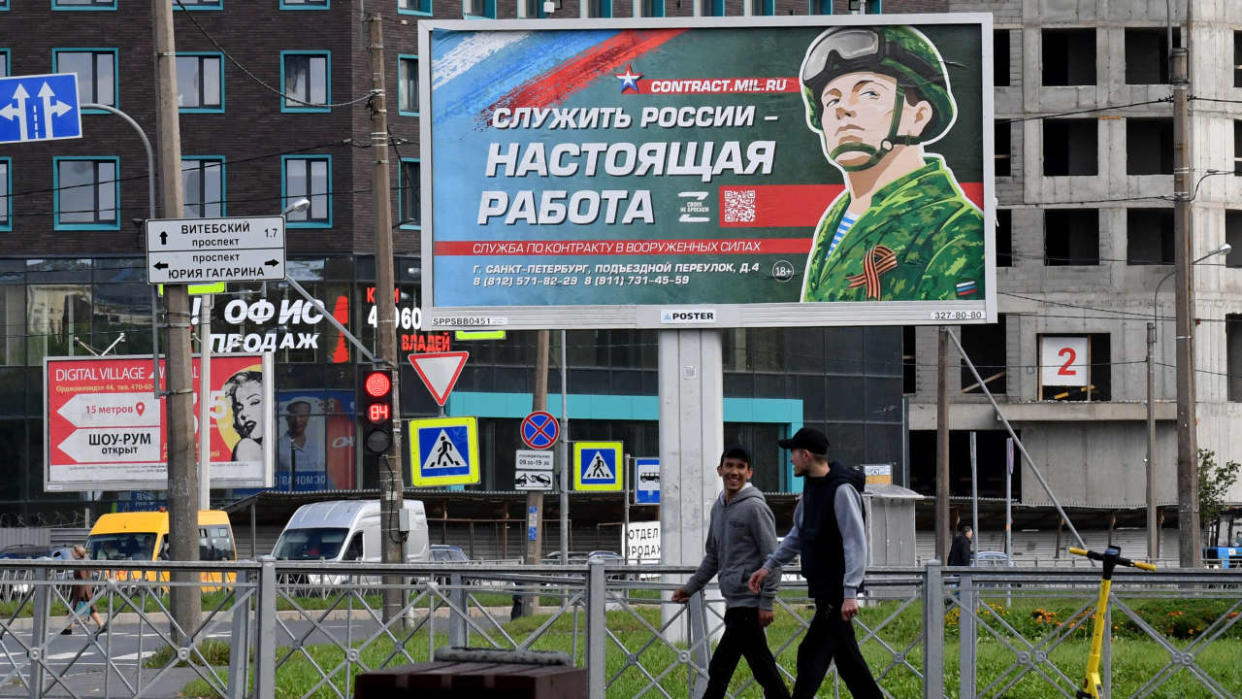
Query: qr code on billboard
[(739, 206)]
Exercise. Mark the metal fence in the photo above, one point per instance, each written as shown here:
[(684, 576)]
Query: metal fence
[(284, 629)]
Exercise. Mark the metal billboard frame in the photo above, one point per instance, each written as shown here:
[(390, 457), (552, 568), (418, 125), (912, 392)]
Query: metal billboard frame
[(695, 314)]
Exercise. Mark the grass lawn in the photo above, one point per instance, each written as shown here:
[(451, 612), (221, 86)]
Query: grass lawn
[(1136, 658)]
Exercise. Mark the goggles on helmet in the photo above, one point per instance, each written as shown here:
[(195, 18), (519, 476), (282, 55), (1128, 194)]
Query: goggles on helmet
[(855, 48)]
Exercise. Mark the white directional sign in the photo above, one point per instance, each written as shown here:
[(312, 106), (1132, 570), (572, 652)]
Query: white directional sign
[(209, 250), (39, 108)]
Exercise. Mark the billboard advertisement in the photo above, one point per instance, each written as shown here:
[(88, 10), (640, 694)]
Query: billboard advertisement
[(707, 172), (105, 430)]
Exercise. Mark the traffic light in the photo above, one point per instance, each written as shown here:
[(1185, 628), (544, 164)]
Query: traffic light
[(375, 405)]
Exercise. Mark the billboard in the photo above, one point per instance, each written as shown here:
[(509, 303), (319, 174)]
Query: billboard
[(103, 428), (712, 172)]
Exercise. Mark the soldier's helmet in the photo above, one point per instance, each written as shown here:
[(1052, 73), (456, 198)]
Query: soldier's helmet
[(900, 52)]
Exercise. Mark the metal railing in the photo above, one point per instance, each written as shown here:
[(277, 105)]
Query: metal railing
[(307, 629)]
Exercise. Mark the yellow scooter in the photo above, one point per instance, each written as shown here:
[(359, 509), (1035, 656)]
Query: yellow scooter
[(1093, 686)]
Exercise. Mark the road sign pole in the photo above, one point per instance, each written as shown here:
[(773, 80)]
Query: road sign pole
[(625, 495), (564, 450), (204, 402), (534, 499)]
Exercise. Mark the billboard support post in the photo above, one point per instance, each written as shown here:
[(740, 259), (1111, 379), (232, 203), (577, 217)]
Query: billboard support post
[(691, 436)]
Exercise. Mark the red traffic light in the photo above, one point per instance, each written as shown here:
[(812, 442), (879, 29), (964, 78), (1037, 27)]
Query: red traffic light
[(377, 384)]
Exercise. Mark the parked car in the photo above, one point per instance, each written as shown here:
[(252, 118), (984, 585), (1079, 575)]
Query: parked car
[(992, 559), (448, 553), (23, 551)]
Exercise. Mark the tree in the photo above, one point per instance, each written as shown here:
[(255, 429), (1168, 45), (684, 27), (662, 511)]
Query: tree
[(1215, 480)]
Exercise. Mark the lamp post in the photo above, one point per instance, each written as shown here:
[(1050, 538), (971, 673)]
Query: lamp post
[(1153, 538), (206, 306)]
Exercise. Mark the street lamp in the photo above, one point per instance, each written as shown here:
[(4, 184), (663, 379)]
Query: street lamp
[(205, 309), (1153, 538), (298, 206)]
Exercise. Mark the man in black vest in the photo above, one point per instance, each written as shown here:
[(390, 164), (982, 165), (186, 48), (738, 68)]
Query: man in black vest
[(828, 533)]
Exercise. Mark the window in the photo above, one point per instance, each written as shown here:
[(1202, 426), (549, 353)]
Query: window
[(1004, 147), (652, 8), (1069, 57), (96, 69), (1149, 146), (203, 180), (410, 209), (200, 82), (1071, 237), (305, 77), (479, 8), (83, 4), (423, 7), (1237, 59), (1233, 351), (6, 194), (1004, 238), (1071, 147), (1000, 57), (1233, 236), (1147, 55), (309, 176), (199, 4), (1075, 367), (87, 193), (1149, 236), (407, 85), (711, 8), (4, 62), (599, 8), (909, 359), (985, 346), (305, 4), (820, 7), (762, 7), (1237, 147)]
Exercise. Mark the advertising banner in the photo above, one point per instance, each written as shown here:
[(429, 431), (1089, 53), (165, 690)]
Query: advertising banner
[(105, 430), (708, 172)]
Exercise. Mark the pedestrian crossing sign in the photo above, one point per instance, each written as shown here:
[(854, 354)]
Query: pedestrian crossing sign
[(597, 466), (444, 451)]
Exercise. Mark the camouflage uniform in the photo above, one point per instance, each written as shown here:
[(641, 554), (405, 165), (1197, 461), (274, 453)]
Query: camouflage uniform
[(920, 240)]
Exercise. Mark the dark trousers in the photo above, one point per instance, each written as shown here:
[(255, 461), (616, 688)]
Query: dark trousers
[(743, 636), (831, 638)]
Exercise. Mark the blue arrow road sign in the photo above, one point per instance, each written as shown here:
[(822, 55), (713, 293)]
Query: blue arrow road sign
[(39, 108)]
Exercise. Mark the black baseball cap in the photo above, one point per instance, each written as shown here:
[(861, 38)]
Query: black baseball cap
[(807, 438), (735, 451)]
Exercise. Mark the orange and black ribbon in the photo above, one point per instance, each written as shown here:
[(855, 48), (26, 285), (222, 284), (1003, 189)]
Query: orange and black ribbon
[(878, 260)]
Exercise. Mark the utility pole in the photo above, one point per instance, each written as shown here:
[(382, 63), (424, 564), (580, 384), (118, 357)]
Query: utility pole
[(1188, 549), (392, 480), (944, 537), (186, 601), (534, 498), (1153, 532)]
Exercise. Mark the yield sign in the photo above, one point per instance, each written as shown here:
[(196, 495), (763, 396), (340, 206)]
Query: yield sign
[(439, 372)]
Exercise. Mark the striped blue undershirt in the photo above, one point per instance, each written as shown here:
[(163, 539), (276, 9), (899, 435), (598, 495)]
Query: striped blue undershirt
[(842, 228)]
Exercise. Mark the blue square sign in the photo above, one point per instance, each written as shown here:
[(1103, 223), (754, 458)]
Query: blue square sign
[(39, 108)]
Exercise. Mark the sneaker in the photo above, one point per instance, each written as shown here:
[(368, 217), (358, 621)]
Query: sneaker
[(66, 632)]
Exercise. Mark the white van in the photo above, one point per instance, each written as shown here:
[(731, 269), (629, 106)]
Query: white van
[(348, 530)]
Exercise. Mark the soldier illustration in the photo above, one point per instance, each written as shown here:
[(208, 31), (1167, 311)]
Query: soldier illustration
[(902, 230)]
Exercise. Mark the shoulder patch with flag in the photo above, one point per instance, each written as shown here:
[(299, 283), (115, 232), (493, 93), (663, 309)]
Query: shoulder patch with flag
[(966, 288)]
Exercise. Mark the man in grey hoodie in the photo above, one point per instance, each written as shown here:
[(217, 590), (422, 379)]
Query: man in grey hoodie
[(741, 536)]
